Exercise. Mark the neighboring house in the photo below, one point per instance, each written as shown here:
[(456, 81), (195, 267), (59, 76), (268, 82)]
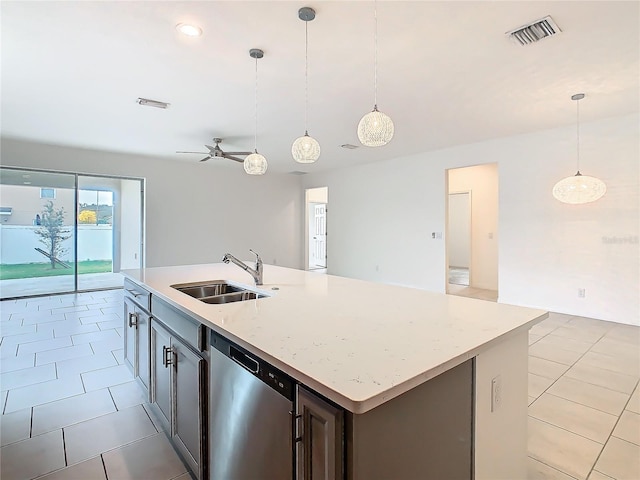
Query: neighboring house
[(25, 202)]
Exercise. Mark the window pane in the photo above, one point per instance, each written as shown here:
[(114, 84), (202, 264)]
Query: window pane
[(47, 193)]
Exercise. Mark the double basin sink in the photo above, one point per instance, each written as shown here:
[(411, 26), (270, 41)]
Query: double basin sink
[(217, 291)]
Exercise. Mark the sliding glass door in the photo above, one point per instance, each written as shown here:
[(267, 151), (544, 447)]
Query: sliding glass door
[(66, 232), (109, 229)]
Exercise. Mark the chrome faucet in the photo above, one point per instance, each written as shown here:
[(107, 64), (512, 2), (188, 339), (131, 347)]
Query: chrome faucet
[(256, 274)]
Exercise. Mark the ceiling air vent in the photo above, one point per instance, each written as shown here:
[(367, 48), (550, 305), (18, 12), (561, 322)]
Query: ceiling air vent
[(534, 32)]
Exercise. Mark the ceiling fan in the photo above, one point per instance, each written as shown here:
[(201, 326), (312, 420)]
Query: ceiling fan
[(217, 152)]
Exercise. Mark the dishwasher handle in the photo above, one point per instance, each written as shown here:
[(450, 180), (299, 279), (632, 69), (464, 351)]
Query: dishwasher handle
[(244, 360)]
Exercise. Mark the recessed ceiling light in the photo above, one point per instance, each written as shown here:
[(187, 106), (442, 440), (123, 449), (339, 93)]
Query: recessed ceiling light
[(189, 30), (27, 183), (348, 146), (26, 176)]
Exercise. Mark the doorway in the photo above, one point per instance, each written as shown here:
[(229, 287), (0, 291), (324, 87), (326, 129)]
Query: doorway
[(316, 201), (472, 231)]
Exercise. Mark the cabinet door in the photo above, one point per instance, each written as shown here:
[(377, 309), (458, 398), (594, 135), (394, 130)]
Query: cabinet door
[(130, 326), (319, 438), (162, 358), (142, 348), (189, 404)]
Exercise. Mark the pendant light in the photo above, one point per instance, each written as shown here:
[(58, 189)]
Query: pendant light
[(579, 188), (375, 128), (255, 164), (306, 149)]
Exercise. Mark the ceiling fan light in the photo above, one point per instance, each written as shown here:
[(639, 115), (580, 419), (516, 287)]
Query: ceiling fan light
[(375, 129), (305, 149), (255, 164), (579, 189)]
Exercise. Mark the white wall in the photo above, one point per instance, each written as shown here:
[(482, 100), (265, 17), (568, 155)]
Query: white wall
[(129, 202), (482, 181), (196, 212), (547, 250)]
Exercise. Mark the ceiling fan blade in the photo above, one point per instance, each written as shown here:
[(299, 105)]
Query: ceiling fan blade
[(199, 153), (238, 153), (235, 159), (206, 158)]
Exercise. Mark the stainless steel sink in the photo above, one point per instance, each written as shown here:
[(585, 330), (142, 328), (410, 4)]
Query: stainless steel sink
[(232, 297), (217, 291)]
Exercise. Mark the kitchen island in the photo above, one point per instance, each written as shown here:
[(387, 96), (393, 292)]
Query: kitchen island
[(378, 352)]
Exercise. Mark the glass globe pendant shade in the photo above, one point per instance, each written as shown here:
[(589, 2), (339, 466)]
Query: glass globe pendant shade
[(305, 149), (255, 164), (375, 129), (579, 189)]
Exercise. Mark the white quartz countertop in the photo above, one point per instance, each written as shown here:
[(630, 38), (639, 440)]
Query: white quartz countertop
[(358, 343)]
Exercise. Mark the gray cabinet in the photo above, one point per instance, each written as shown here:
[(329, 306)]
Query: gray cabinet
[(319, 447), (137, 323), (189, 398), (161, 360), (130, 335), (178, 387)]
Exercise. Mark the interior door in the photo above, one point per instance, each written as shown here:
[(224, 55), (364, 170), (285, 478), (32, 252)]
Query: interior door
[(459, 238), (320, 235)]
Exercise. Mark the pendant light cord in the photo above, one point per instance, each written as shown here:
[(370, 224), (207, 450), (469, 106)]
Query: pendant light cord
[(375, 54), (578, 134), (306, 77), (255, 132)]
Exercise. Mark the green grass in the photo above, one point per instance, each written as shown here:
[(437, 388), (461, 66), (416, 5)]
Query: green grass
[(31, 270)]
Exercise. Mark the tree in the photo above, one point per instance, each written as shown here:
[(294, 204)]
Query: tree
[(52, 231), (87, 216)]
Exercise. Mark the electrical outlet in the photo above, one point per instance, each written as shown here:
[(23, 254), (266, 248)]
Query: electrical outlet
[(581, 293), (496, 393)]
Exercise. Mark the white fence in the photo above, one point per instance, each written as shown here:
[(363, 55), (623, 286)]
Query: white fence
[(18, 244)]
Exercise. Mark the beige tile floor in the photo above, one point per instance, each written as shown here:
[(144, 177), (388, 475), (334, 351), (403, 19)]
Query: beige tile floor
[(472, 292), (71, 411)]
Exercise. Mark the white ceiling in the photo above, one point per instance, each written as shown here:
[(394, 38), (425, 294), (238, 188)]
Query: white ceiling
[(447, 74)]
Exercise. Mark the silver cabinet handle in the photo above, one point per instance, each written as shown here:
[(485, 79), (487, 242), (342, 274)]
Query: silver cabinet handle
[(134, 292), (167, 356), (132, 322)]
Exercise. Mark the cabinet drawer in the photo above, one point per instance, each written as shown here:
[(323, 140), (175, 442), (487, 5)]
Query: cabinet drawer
[(190, 330), (137, 294)]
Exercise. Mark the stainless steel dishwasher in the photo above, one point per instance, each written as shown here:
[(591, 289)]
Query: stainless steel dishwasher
[(250, 416)]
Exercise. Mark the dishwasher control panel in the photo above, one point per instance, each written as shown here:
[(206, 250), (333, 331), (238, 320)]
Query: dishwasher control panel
[(272, 376)]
